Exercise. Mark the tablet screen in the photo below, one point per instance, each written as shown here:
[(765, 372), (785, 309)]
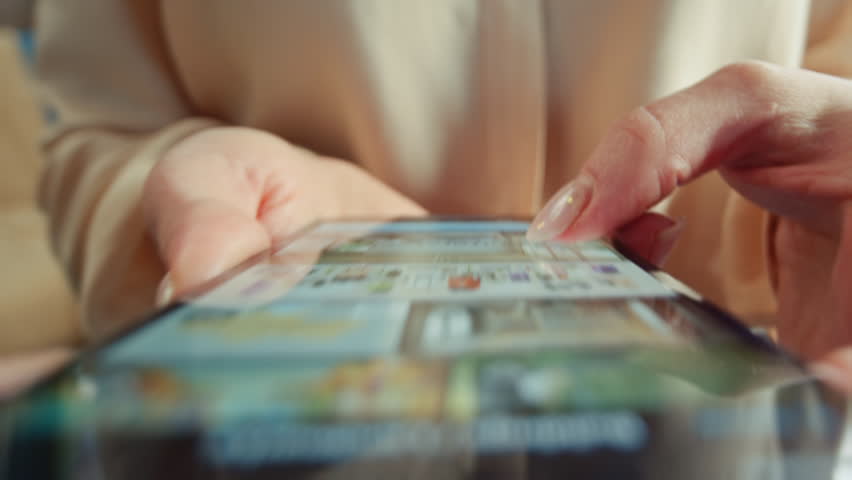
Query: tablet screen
[(431, 349)]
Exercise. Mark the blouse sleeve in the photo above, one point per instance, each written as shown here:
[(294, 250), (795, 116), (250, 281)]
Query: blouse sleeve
[(115, 105)]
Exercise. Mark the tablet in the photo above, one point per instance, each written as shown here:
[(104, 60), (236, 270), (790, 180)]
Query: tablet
[(437, 348)]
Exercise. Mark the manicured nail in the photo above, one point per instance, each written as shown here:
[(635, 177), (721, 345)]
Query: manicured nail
[(562, 210), (165, 292), (834, 376)]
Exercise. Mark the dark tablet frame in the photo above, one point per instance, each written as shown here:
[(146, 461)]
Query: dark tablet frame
[(712, 311)]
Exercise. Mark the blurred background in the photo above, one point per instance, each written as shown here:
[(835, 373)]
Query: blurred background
[(36, 306)]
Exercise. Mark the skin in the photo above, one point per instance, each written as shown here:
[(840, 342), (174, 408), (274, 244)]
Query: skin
[(781, 137), (253, 183)]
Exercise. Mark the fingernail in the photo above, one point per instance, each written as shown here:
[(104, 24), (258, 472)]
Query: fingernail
[(165, 292), (665, 242), (836, 377), (562, 210)]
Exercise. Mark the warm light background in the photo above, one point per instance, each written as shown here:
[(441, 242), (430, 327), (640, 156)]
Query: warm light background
[(37, 310)]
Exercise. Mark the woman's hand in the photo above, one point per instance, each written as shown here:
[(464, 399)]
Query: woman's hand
[(224, 194), (783, 139)]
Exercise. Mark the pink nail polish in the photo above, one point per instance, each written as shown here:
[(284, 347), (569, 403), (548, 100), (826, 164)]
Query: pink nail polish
[(165, 292), (562, 210)]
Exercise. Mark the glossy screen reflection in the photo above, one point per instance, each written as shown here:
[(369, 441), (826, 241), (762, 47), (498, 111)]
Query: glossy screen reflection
[(430, 350)]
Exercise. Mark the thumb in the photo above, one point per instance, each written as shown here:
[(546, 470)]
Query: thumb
[(205, 239), (202, 201)]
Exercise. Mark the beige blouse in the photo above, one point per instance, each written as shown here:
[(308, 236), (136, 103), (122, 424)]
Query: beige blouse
[(469, 107)]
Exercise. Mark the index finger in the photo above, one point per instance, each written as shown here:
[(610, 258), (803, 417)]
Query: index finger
[(730, 118)]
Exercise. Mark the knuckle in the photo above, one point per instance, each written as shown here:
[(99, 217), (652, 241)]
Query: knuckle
[(753, 75), (667, 179), (642, 126), (761, 82), (660, 168)]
